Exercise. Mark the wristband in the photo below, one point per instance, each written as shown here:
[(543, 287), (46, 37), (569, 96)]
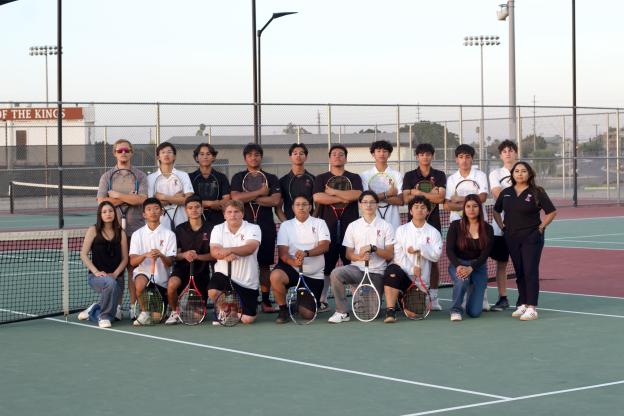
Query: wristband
[(307, 253), (373, 248)]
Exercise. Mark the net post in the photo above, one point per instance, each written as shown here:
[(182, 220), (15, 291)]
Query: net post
[(65, 275), (11, 198)]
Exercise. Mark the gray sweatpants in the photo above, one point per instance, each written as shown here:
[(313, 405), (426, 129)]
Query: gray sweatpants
[(350, 275)]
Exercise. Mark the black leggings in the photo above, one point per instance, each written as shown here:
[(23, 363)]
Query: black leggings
[(525, 251)]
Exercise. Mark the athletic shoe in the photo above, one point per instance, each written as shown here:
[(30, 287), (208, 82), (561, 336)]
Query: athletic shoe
[(455, 317), (84, 315), (215, 323), (435, 304), (173, 319), (133, 314), (104, 323), (283, 317), (529, 315), (520, 310), (390, 316), (323, 307), (267, 307), (142, 319), (338, 317), (500, 305), (118, 313), (486, 303)]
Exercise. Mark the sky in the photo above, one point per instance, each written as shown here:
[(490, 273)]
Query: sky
[(331, 51)]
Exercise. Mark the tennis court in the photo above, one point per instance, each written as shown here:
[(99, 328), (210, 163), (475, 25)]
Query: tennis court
[(567, 362)]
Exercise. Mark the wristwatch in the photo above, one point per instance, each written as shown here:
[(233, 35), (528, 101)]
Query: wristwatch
[(373, 248), (307, 253)]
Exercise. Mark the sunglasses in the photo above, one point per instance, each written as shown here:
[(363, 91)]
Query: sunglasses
[(123, 150)]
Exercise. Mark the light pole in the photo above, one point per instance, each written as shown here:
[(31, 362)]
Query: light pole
[(45, 51), (481, 41), (508, 10), (259, 77)]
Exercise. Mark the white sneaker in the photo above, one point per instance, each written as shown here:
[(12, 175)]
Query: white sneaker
[(142, 319), (529, 315), (486, 303), (520, 310), (84, 315), (435, 305), (338, 317), (456, 317), (173, 319), (118, 313), (104, 323)]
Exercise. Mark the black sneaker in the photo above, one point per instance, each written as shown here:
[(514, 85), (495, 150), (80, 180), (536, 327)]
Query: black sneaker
[(283, 317), (501, 305), (390, 316)]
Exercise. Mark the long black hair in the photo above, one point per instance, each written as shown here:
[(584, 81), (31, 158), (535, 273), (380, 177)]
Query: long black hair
[(99, 224), (464, 225), (533, 188)]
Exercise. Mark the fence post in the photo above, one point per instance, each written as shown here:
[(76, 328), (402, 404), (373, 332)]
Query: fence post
[(329, 126), (398, 137), (11, 198), (461, 125), (563, 159), (411, 146), (519, 133), (445, 147), (157, 124), (618, 164), (607, 154)]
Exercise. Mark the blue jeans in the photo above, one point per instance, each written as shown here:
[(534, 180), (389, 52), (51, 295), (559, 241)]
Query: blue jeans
[(478, 278), (109, 290)]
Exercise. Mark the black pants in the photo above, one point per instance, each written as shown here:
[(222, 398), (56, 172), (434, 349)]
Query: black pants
[(526, 250)]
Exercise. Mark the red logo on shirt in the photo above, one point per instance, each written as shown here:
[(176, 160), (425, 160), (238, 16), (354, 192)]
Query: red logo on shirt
[(313, 230), (161, 242), (205, 237), (242, 237)]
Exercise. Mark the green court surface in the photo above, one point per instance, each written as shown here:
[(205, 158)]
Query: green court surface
[(600, 232), (567, 362), (40, 222)]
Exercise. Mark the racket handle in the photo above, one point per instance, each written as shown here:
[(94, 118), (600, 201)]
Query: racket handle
[(229, 268), (366, 263), (192, 268)]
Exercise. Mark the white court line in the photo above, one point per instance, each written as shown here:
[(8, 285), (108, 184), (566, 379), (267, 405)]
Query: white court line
[(582, 236), (588, 219), (587, 241), (284, 360), (515, 399), (572, 294), (585, 247)]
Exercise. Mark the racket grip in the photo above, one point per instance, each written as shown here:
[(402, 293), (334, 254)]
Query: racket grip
[(192, 268), (229, 263)]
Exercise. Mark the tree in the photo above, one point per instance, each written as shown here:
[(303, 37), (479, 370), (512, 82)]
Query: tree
[(292, 129), (373, 131), (433, 133)]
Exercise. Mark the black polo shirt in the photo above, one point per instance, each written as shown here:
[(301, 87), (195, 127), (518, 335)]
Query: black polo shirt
[(284, 183), (265, 214), (212, 216), (199, 240), (351, 213), (522, 212), (438, 178)]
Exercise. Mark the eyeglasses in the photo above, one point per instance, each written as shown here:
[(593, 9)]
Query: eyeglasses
[(123, 150)]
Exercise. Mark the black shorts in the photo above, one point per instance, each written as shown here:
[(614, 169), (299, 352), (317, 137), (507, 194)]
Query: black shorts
[(395, 277), (201, 280), (315, 285), (499, 252), (249, 297), (266, 251)]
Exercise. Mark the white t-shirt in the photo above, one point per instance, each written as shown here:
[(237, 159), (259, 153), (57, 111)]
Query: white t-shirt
[(187, 187), (244, 269), (495, 182), (391, 211), (144, 240), (426, 239), (378, 233), (305, 236), (452, 181)]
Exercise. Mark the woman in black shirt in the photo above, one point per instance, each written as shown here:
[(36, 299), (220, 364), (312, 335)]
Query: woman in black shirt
[(523, 229), (107, 243), (468, 245)]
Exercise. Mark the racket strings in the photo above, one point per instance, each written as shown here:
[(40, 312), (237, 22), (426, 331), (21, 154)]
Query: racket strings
[(153, 303), (228, 308), (366, 303), (415, 301), (301, 305), (192, 307)]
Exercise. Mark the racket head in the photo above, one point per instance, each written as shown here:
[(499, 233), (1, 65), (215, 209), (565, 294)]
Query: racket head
[(228, 308), (467, 187), (300, 185), (341, 183), (380, 182), (123, 181), (365, 301), (425, 185), (254, 181), (506, 181), (152, 302), (191, 307), (301, 303), (416, 303), (208, 189), (170, 185)]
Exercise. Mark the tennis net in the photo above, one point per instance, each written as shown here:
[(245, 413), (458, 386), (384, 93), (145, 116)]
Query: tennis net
[(25, 196)]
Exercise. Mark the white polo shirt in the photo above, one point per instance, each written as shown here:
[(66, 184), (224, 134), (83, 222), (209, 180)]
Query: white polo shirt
[(495, 182), (244, 269), (144, 240), (392, 212), (452, 181), (360, 233), (187, 187), (306, 235), (426, 239)]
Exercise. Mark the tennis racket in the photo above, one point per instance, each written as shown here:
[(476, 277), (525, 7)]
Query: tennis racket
[(425, 185), (254, 181), (506, 181), (416, 302), (207, 188), (228, 307), (124, 181), (365, 302), (300, 185), (301, 302), (466, 187), (344, 184), (151, 300), (378, 183), (169, 186), (191, 305)]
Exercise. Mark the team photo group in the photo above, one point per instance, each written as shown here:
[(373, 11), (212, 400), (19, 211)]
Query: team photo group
[(187, 238)]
